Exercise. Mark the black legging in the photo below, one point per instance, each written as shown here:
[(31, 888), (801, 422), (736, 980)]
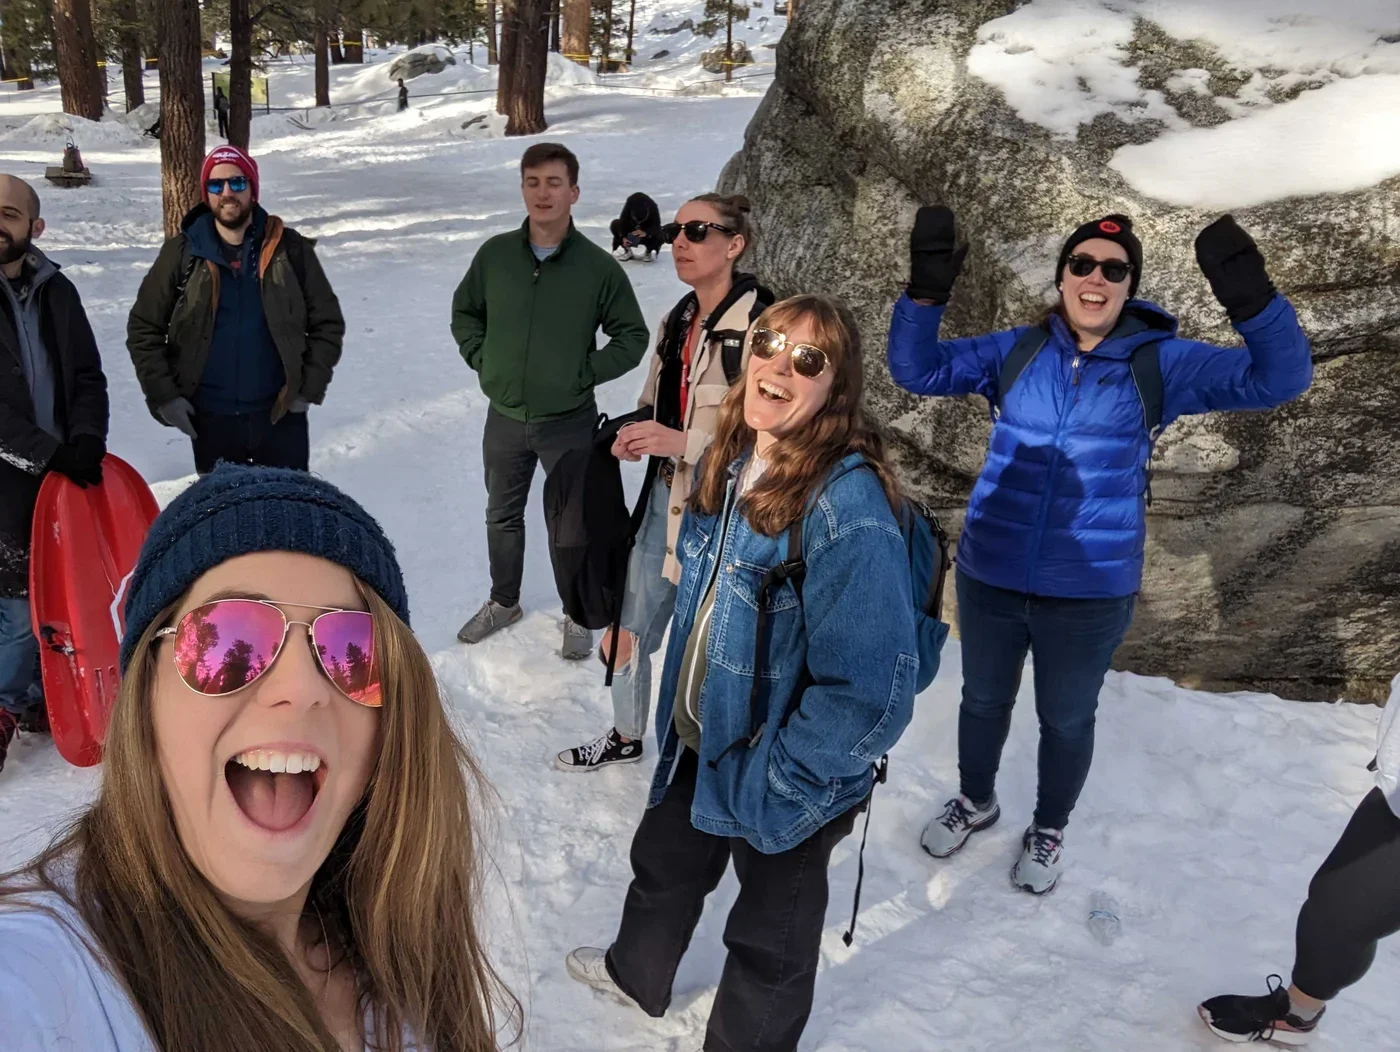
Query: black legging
[(1353, 903)]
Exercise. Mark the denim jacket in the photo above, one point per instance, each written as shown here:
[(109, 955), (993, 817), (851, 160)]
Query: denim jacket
[(852, 634)]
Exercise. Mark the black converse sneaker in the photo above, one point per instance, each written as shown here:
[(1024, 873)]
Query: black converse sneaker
[(599, 753), (1269, 1017)]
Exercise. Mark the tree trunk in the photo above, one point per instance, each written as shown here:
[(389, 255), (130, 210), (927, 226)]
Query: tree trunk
[(729, 40), (631, 28), (240, 73), (525, 103), (792, 12), (492, 51), (355, 45), (606, 52), (337, 55), (554, 18), (323, 66), (82, 83), (505, 54), (181, 108), (128, 17), (574, 36)]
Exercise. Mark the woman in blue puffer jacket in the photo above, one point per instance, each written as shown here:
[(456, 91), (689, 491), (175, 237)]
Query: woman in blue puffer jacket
[(775, 705), (1050, 558)]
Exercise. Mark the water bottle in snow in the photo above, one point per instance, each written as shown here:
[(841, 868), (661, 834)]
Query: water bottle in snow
[(1103, 917)]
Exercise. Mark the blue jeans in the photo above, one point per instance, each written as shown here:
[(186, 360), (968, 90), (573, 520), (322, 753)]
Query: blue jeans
[(1072, 642), (646, 611), (20, 689)]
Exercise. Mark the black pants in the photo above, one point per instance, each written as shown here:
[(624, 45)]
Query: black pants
[(773, 933), (1353, 903), (621, 232), (510, 450), (251, 438), (223, 125)]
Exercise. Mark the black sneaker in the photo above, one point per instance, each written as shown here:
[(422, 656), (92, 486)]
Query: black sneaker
[(1268, 1017), (9, 727), (599, 753), (35, 721)]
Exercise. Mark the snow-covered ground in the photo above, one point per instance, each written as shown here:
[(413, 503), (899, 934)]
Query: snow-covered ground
[(1204, 817)]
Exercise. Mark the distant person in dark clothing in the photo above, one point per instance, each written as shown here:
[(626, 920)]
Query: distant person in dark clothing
[(221, 111), (403, 95), (637, 232), (235, 330)]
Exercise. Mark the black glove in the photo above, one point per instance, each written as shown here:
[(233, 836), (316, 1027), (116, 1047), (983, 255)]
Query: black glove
[(934, 258), (1234, 266), (178, 413), (80, 460)]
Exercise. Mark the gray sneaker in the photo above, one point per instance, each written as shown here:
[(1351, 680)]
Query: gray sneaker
[(578, 641), (491, 618), (946, 834), (1038, 868)]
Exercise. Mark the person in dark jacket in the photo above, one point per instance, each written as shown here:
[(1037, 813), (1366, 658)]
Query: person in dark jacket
[(403, 95), (53, 417), (235, 330), (1050, 557), (221, 107), (637, 232), (771, 778), (526, 318)]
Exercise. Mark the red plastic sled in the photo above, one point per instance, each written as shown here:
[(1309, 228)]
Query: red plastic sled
[(84, 548)]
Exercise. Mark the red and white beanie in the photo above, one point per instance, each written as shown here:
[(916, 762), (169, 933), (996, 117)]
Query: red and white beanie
[(230, 155)]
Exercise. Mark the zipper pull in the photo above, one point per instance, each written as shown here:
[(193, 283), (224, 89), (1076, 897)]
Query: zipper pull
[(1074, 369)]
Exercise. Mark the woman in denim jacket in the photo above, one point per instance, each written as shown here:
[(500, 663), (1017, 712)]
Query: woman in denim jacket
[(770, 777)]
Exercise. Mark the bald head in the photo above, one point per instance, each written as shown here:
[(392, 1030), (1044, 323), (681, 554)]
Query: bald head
[(15, 192)]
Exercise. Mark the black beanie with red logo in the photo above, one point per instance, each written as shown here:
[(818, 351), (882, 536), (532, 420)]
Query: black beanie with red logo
[(1115, 228)]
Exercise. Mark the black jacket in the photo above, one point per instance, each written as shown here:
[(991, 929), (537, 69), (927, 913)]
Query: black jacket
[(639, 213), (25, 448)]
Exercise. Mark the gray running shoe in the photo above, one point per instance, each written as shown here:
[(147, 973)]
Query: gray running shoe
[(491, 618), (588, 965), (578, 641), (1038, 868), (946, 834)]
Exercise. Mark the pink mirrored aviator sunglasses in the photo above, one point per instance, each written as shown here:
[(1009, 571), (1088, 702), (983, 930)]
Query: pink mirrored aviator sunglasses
[(225, 645)]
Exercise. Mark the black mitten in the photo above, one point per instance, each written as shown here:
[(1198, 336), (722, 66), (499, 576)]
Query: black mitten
[(935, 260), (1234, 266)]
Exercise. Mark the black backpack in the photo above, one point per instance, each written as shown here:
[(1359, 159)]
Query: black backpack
[(591, 529)]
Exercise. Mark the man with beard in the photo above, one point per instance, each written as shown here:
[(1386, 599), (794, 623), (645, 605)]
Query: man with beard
[(235, 330), (53, 417)]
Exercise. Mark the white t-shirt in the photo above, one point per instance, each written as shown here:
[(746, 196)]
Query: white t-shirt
[(55, 996)]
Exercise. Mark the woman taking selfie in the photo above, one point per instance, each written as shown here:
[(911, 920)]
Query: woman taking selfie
[(769, 723), (698, 350), (281, 854)]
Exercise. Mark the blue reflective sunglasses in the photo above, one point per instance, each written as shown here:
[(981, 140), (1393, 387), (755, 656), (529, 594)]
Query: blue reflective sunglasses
[(236, 185)]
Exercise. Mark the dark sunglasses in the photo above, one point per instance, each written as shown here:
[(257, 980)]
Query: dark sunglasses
[(236, 185), (1114, 270), (224, 646), (807, 360), (695, 231)]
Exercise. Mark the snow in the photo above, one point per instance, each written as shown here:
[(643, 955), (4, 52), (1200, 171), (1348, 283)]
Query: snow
[(1061, 63), (1204, 817)]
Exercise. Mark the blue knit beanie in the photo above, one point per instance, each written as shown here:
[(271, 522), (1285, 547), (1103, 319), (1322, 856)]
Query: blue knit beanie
[(238, 510)]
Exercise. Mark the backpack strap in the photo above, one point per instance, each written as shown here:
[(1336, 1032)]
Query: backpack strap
[(732, 340), (187, 264), (1146, 367), (1026, 347)]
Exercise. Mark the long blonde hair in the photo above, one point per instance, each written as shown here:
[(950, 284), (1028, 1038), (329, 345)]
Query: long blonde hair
[(398, 894), (799, 464)]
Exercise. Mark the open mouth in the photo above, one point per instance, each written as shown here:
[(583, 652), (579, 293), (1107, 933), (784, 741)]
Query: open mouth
[(1093, 300), (274, 789), (773, 393)]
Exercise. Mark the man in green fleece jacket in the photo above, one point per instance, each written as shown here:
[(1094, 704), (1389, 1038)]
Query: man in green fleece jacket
[(526, 318)]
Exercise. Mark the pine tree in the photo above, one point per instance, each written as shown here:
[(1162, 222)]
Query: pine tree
[(83, 85), (524, 64), (128, 25), (240, 73), (182, 108), (574, 33)]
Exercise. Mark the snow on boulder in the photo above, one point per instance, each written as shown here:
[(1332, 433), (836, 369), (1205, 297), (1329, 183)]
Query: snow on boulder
[(563, 72), (1273, 550), (431, 58), (59, 128), (713, 59)]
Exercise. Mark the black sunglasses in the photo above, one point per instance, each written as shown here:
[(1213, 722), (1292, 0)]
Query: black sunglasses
[(1114, 270), (695, 231), (807, 360)]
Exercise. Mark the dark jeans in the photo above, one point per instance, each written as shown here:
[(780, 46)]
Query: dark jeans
[(1353, 903), (773, 933), (623, 236), (510, 450), (1072, 642), (251, 438), (223, 124)]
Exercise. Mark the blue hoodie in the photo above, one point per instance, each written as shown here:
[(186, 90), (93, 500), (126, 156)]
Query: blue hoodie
[(244, 371), (1060, 508)]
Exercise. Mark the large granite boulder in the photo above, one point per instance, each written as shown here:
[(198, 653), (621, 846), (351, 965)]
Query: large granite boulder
[(423, 61), (1273, 557)]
